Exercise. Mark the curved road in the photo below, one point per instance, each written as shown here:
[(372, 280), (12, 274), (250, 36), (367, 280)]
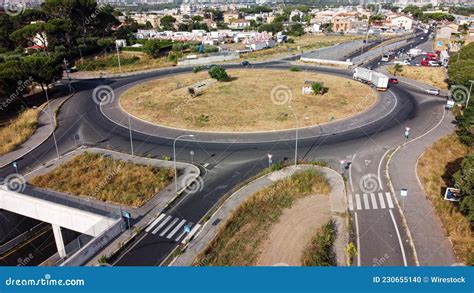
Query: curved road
[(381, 237)]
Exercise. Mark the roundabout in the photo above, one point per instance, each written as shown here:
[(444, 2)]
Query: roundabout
[(362, 110), (253, 100)]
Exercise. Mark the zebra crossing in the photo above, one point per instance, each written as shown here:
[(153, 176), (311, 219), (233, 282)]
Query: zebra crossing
[(369, 201), (171, 227)]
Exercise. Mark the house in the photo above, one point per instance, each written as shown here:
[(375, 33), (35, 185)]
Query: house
[(313, 28), (341, 23), (402, 21), (239, 24), (231, 16), (120, 43)]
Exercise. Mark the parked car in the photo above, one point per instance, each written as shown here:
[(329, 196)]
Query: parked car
[(393, 80), (433, 63), (245, 63), (434, 92)]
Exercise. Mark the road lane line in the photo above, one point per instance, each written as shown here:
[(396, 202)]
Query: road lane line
[(379, 169), (389, 200), (161, 225), (350, 202), (176, 229), (399, 238), (156, 221), (190, 235), (358, 238), (169, 227), (350, 172), (374, 202), (358, 205), (382, 202), (366, 202)]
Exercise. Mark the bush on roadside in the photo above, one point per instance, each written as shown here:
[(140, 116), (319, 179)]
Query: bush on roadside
[(295, 68), (320, 251), (219, 73)]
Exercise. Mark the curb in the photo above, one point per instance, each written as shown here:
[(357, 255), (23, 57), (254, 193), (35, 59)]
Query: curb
[(49, 135)]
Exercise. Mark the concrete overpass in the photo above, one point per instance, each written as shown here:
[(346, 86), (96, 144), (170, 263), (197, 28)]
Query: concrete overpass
[(60, 211)]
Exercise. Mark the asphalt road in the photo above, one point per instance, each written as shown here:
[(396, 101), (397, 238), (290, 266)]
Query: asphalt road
[(381, 236)]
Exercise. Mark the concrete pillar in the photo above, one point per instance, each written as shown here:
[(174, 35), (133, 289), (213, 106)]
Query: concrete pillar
[(58, 237)]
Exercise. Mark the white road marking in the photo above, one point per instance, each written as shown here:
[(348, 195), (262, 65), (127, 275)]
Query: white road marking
[(366, 202), (358, 238), (193, 231), (374, 202), (350, 202), (169, 227), (382, 202), (358, 205), (399, 238), (148, 229), (176, 229), (182, 233), (379, 168), (389, 200), (161, 225), (350, 172)]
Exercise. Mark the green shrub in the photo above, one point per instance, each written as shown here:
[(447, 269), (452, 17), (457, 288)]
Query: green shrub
[(295, 68), (219, 73), (320, 251)]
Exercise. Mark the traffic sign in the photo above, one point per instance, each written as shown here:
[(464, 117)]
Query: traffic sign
[(439, 43), (449, 104), (403, 192), (127, 215), (187, 229)]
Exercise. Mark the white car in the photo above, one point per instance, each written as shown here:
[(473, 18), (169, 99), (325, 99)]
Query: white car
[(422, 38), (434, 92), (433, 63)]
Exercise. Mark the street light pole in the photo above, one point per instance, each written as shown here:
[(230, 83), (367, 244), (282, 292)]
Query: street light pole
[(174, 160), (67, 75), (50, 120), (130, 129), (296, 140), (118, 57)]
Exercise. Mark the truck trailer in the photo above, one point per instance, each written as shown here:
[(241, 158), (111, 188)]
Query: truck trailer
[(379, 81), (362, 74)]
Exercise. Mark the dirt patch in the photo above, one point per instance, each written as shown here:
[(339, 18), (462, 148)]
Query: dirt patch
[(254, 100), (289, 237)]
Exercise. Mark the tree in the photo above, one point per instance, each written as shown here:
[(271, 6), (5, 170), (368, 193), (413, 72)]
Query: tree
[(464, 180), (296, 18), (152, 48), (397, 69), (317, 88), (219, 73), (44, 69), (197, 18), (167, 22), (296, 29)]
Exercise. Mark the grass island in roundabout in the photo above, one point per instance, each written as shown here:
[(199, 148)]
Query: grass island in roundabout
[(251, 100)]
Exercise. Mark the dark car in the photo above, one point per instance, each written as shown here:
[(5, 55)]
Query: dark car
[(245, 63), (393, 80)]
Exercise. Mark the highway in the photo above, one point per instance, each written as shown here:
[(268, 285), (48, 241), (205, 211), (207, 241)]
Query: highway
[(380, 233)]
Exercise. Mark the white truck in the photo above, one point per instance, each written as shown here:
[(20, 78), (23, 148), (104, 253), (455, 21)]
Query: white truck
[(362, 74), (379, 81), (414, 52)]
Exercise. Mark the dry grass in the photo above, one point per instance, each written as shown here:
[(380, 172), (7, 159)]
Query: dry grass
[(18, 131), (145, 63), (246, 103), (434, 76), (106, 179), (237, 244), (435, 169), (302, 43)]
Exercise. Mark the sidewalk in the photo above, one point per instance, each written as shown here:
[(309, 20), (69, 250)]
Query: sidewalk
[(209, 230), (43, 132), (432, 246)]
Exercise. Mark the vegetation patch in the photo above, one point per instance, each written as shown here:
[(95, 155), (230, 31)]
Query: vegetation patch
[(320, 251), (18, 131), (103, 178), (434, 76), (436, 169), (238, 241)]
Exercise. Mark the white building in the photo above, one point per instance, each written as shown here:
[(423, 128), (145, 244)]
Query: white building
[(402, 21)]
